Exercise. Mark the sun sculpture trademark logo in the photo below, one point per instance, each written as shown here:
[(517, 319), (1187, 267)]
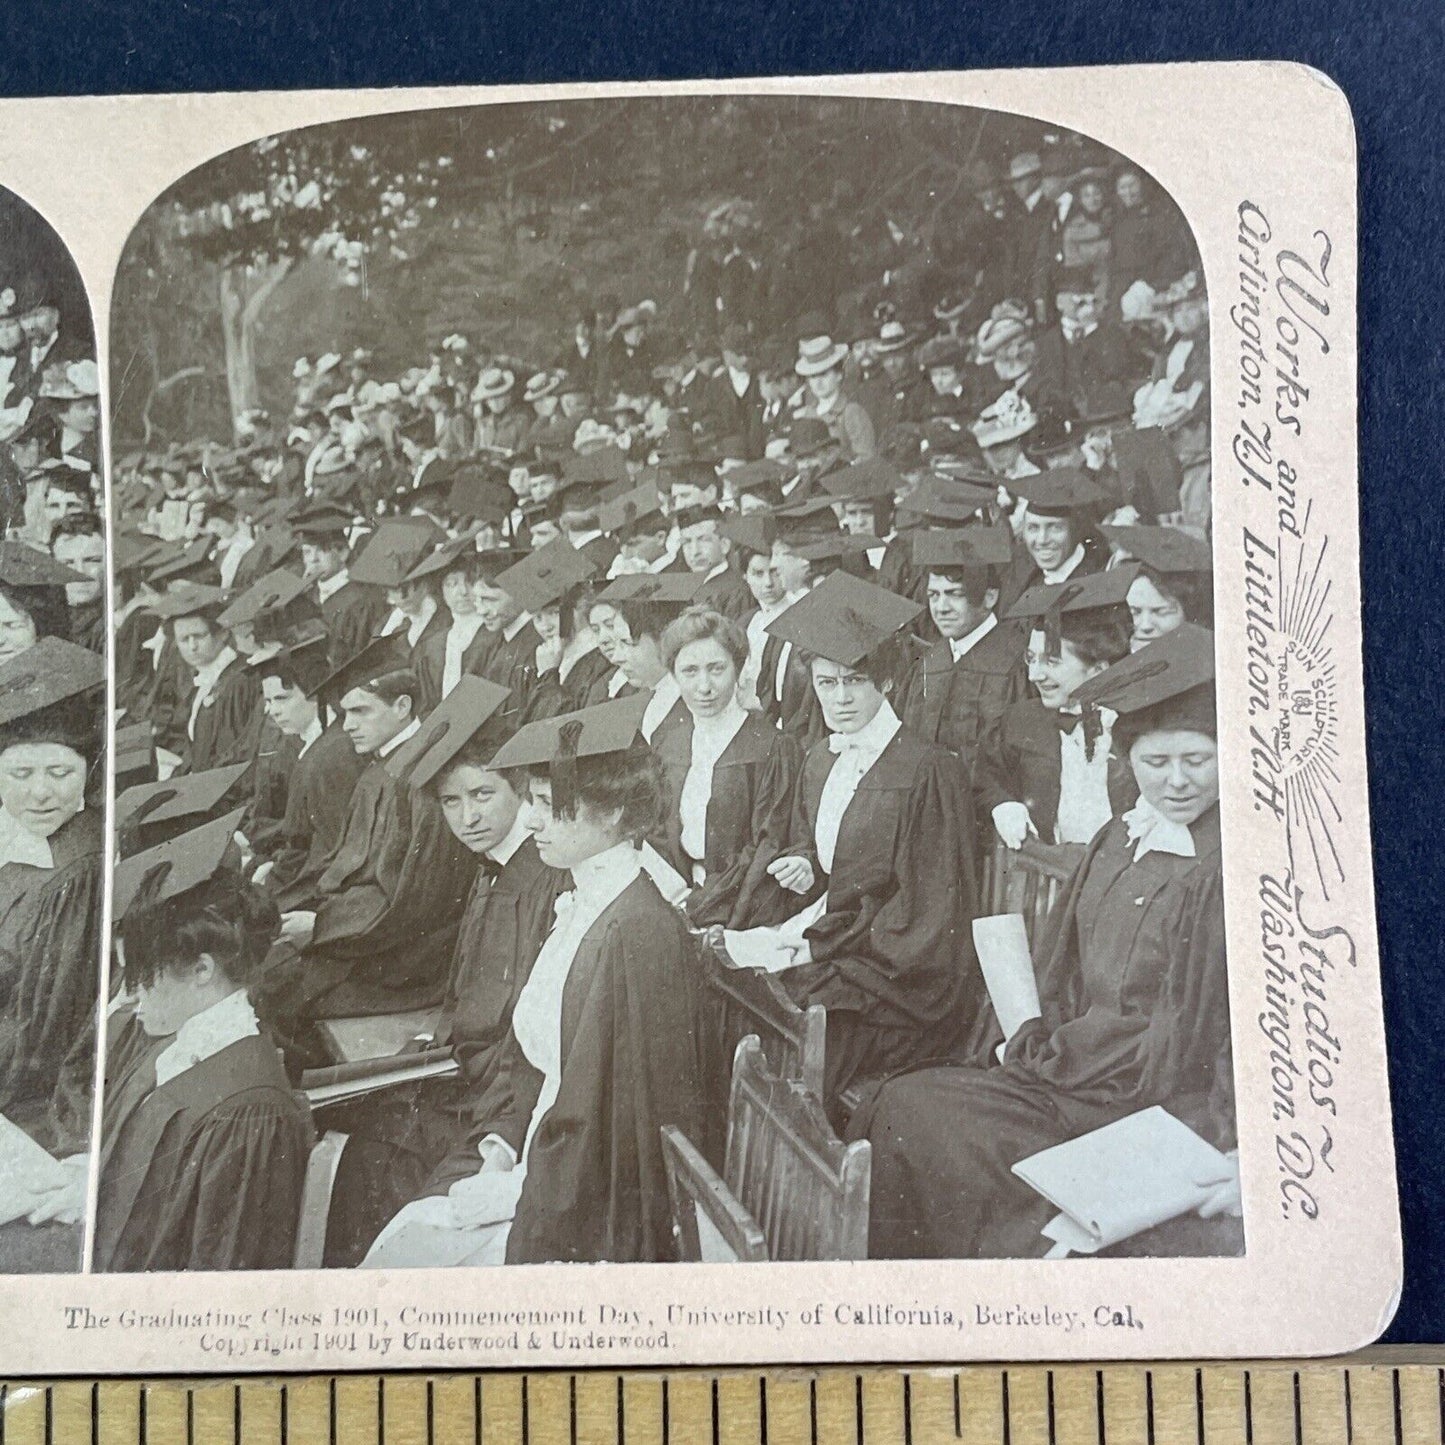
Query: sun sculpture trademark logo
[(1296, 758)]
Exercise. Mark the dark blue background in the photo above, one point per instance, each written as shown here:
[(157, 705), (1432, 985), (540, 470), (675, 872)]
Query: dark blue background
[(1389, 59)]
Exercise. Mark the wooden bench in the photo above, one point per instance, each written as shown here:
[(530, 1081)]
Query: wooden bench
[(1028, 880)]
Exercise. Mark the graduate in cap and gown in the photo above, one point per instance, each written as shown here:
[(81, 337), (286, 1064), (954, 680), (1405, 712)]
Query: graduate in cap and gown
[(1173, 579), (398, 1137), (880, 852), (730, 780), (204, 1146), (439, 656), (225, 700), (321, 779), (958, 691), (706, 549), (1133, 988), (1058, 531), (379, 934), (352, 611), (1049, 770), (52, 873), (417, 614), (564, 1158)]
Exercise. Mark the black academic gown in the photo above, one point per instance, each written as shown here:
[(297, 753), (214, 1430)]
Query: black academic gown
[(318, 801), (727, 593), (586, 681), (892, 957), (428, 658), (1023, 573), (50, 985), (227, 723), (797, 712), (959, 705), (204, 1172), (596, 1186), (387, 906), (748, 817), (352, 614), (270, 784), (1023, 763), (399, 1137), (1136, 1013), (167, 702)]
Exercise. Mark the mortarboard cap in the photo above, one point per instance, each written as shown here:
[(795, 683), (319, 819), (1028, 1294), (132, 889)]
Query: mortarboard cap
[(1045, 604), (23, 566), (1058, 492), (493, 561), (459, 552), (188, 796), (544, 577), (1159, 672), (556, 743), (189, 599), (968, 547), (807, 507), (948, 502), (396, 546), (174, 867), (663, 589), (765, 474), (460, 715), (271, 593), (1165, 549), (322, 519), (863, 481), (47, 675), (380, 656), (831, 546), (190, 563), (604, 467), (478, 492), (844, 619), (755, 531), (808, 436), (623, 515), (302, 652), (134, 551)]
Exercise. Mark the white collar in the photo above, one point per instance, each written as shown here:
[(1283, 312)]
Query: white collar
[(966, 645), (19, 845), (1151, 832), (726, 725), (330, 586), (516, 836), (872, 737), (716, 571), (516, 625), (669, 556), (741, 380), (207, 676), (207, 1033), (415, 626), (1065, 569), (600, 879), (580, 539), (827, 408), (664, 696), (464, 628), (616, 682), (409, 731), (312, 731)]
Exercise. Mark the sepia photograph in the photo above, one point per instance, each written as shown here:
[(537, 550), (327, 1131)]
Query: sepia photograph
[(665, 697), (52, 742)]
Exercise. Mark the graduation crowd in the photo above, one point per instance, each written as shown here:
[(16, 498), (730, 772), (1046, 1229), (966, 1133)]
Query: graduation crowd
[(506, 700), (52, 774)]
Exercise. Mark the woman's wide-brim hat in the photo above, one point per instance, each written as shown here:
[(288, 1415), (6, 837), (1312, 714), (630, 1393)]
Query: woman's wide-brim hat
[(817, 354), (542, 383), (495, 381), (71, 381)]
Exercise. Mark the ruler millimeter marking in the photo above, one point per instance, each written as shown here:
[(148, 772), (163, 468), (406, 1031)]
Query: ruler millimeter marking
[(1377, 1399)]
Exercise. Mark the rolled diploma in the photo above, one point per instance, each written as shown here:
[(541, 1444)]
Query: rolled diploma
[(1008, 970)]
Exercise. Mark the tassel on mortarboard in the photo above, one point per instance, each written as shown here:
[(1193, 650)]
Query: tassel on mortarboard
[(1054, 618), (1093, 711), (564, 769)]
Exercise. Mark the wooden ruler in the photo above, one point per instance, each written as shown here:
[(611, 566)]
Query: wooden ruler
[(1381, 1397)]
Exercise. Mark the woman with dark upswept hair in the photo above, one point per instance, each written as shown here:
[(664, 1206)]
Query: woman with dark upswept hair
[(564, 1160), (203, 1145)]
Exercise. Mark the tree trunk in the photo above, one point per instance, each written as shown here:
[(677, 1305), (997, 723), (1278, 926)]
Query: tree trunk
[(244, 291)]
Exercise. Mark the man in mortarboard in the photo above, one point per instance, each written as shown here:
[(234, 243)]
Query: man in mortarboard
[(225, 697), (322, 776), (706, 551), (1059, 531), (1048, 771), (642, 531), (351, 610), (417, 614), (645, 606), (959, 689), (398, 1138), (378, 935)]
